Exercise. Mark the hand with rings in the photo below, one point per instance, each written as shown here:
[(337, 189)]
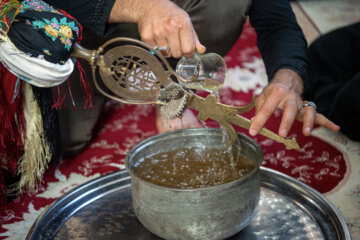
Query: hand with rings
[(306, 104), (284, 92), (168, 28), (307, 114), (165, 50)]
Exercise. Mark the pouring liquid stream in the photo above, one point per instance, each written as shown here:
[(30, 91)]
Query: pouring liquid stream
[(208, 73), (192, 157)]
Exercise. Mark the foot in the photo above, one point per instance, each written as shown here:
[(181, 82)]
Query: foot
[(188, 120)]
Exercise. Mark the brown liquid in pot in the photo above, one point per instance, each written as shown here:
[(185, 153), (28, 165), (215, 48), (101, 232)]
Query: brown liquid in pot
[(193, 168)]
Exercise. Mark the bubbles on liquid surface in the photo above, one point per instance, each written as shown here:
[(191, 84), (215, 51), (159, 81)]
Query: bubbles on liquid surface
[(193, 168)]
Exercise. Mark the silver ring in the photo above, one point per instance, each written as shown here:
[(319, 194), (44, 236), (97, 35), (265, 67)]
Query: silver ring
[(163, 50), (306, 104)]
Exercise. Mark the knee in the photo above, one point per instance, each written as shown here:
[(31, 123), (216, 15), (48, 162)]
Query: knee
[(77, 126), (76, 131), (74, 145)]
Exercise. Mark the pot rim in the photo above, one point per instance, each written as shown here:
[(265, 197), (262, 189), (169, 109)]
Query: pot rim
[(224, 185)]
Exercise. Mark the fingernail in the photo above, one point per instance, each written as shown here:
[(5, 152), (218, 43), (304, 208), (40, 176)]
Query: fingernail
[(308, 130), (252, 132), (283, 132)]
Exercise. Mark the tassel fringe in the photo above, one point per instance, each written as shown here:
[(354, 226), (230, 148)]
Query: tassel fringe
[(12, 124), (87, 90), (37, 155)]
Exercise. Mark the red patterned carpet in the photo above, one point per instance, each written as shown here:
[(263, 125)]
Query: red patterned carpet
[(316, 163)]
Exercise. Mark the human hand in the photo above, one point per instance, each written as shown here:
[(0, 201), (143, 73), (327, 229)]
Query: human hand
[(284, 92), (161, 23)]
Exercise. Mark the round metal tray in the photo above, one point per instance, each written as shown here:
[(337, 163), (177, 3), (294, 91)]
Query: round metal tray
[(102, 209)]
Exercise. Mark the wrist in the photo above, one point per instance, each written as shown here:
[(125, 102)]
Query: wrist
[(290, 79)]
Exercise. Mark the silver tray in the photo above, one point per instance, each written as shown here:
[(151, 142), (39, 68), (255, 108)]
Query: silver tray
[(102, 209)]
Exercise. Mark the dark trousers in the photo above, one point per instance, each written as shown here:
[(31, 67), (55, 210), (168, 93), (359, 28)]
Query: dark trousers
[(334, 78), (218, 24)]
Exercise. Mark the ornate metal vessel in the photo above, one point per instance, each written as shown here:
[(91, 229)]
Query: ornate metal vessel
[(132, 72)]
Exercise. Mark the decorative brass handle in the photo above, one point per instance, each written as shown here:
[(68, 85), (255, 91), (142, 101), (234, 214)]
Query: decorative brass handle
[(224, 114), (133, 72), (83, 53)]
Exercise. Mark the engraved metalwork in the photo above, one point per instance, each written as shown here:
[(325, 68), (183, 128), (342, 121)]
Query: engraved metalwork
[(175, 106), (226, 115), (134, 72)]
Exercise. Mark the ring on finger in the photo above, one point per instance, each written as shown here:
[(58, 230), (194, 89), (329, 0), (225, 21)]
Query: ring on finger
[(163, 50), (306, 104)]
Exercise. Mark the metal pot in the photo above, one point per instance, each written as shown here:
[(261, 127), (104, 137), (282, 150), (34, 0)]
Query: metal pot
[(215, 212)]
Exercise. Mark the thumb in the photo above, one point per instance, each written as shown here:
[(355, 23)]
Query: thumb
[(199, 47)]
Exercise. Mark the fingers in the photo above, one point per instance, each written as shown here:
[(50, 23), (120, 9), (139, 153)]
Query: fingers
[(169, 25), (324, 122), (288, 118), (184, 39), (162, 42), (187, 40), (264, 111), (284, 92), (180, 39), (309, 116), (147, 36), (198, 46)]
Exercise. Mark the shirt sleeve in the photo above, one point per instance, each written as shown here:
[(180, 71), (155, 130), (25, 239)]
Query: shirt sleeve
[(280, 39), (91, 14)]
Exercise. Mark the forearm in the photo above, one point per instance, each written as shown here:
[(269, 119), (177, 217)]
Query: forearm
[(130, 11), (280, 39), (160, 22)]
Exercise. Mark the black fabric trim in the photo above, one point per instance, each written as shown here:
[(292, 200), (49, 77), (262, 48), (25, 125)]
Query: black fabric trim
[(280, 39), (298, 69), (50, 122), (101, 14)]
